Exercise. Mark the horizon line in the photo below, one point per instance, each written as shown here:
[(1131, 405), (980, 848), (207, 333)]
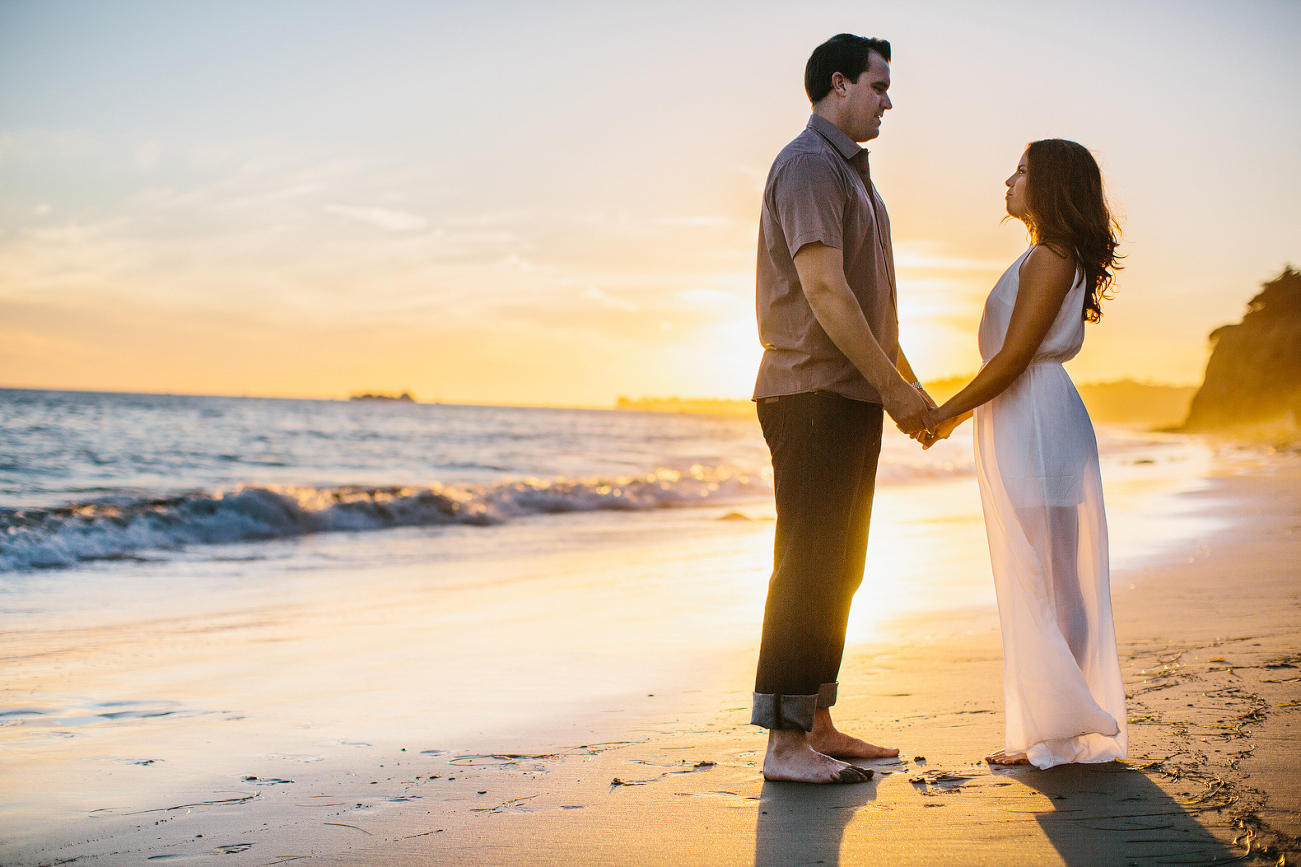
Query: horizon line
[(613, 404)]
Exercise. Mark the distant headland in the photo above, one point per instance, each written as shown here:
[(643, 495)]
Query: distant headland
[(1122, 402), (404, 396), (702, 405)]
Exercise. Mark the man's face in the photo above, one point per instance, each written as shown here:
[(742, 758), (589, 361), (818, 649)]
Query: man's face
[(867, 99)]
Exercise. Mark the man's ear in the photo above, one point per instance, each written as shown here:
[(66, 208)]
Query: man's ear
[(838, 83)]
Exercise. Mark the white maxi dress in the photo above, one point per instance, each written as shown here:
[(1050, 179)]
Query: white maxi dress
[(1041, 490)]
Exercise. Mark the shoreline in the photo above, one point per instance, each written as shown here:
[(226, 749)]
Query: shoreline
[(672, 778), (1212, 775)]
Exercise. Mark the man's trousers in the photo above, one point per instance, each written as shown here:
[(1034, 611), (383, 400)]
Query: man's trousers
[(824, 455)]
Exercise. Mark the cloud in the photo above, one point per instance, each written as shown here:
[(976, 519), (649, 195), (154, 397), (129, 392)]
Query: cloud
[(704, 297), (591, 293), (384, 218), (696, 222), (928, 256)]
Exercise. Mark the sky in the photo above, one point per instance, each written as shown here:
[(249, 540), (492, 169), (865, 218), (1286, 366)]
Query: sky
[(557, 203)]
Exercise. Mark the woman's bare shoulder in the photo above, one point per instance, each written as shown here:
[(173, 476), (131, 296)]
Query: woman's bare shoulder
[(1049, 264)]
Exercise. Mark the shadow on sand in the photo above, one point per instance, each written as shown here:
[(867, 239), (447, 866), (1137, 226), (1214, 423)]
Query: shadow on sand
[(1113, 814), (804, 824)]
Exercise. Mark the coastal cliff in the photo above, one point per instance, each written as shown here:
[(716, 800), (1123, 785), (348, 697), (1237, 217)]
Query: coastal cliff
[(1254, 373)]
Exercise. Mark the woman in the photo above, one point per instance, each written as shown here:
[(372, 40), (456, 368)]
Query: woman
[(1037, 464)]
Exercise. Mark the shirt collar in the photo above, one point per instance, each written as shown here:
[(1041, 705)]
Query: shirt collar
[(847, 147)]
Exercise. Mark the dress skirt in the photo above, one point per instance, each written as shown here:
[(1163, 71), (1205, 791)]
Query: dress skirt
[(1041, 491)]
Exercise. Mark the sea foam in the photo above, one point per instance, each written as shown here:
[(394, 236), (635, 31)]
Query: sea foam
[(124, 527)]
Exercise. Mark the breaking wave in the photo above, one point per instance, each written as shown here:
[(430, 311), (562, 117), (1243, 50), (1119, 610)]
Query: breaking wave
[(122, 527)]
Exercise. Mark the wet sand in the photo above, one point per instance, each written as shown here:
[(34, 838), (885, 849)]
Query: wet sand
[(358, 749)]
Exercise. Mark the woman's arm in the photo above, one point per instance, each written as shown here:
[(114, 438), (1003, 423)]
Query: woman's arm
[(945, 428), (1046, 277)]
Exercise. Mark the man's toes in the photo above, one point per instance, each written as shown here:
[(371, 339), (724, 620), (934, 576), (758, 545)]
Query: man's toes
[(852, 774), (859, 749)]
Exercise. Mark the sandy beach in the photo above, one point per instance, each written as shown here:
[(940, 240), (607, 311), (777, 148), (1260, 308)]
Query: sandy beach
[(382, 481), (359, 721)]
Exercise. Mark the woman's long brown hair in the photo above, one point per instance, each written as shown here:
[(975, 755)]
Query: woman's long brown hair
[(1068, 211)]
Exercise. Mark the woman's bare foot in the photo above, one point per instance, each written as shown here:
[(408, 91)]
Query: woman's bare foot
[(790, 758), (1002, 757), (827, 739)]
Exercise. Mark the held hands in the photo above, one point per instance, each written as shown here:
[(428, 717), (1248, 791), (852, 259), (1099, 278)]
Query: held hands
[(913, 412), (942, 432)]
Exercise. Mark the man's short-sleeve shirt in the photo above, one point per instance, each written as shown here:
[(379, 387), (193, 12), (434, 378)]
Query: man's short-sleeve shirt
[(815, 192)]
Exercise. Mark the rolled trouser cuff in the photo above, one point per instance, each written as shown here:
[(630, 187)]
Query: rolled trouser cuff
[(783, 711), (827, 694)]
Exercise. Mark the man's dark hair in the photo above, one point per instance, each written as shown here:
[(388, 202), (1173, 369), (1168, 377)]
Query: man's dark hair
[(844, 53)]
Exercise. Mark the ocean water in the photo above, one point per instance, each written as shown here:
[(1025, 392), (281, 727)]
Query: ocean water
[(88, 477), (288, 581), (117, 510)]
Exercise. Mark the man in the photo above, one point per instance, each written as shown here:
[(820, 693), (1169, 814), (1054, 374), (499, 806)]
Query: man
[(831, 367)]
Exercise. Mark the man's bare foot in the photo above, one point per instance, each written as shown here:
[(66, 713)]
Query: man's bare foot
[(1002, 757), (825, 738), (790, 758)]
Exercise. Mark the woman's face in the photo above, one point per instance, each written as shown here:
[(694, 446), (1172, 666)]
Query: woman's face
[(1016, 190)]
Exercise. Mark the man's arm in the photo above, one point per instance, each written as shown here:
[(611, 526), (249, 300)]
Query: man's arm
[(822, 275), (906, 371)]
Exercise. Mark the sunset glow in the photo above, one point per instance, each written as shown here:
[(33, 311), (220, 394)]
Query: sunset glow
[(559, 205)]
